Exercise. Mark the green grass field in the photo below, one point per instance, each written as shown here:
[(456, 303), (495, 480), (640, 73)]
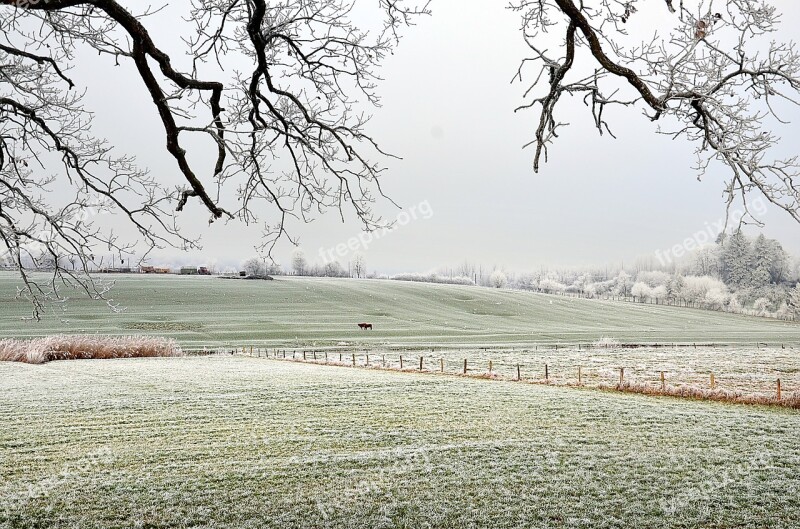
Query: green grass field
[(235, 442), (208, 311)]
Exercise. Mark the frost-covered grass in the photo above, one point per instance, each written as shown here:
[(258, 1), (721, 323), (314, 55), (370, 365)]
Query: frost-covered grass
[(737, 368), (41, 350), (746, 370), (206, 311), (234, 442)]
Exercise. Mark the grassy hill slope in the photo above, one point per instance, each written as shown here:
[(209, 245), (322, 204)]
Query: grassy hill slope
[(292, 311)]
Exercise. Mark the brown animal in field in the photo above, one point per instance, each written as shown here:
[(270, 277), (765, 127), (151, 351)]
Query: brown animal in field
[(365, 326)]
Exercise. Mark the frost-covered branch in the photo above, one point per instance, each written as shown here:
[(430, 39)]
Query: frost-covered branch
[(709, 75), (289, 131)]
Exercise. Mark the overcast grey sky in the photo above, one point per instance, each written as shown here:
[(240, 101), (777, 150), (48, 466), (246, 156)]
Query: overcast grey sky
[(448, 111)]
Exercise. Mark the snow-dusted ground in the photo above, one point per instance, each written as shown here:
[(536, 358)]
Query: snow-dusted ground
[(748, 370), (239, 442)]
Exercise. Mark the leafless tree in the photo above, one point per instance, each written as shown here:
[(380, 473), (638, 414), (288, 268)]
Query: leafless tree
[(289, 130), (255, 267), (360, 265), (299, 262), (707, 72)]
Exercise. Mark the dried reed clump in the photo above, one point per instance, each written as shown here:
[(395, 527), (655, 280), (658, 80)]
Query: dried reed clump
[(721, 395), (41, 350)]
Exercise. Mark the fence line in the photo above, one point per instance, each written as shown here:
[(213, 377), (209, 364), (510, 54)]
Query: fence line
[(776, 395)]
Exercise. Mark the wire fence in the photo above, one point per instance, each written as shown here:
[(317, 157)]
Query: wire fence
[(772, 379)]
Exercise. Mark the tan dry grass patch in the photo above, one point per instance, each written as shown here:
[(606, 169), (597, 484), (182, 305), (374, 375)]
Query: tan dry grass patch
[(61, 347)]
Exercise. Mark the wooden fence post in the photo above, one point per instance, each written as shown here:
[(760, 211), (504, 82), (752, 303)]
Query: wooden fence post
[(663, 383), (304, 356), (354, 360), (465, 366), (340, 357), (441, 365), (315, 354), (383, 360), (490, 367), (326, 357), (518, 375), (367, 359), (580, 382), (401, 362), (779, 390), (621, 375), (546, 374), (713, 382), (420, 363)]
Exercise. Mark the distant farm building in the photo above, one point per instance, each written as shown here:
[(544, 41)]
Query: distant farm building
[(188, 271), (154, 270)]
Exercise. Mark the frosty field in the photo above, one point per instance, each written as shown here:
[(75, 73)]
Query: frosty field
[(235, 442), (207, 311)]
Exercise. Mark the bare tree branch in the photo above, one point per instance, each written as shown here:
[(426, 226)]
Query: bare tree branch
[(712, 79), (290, 134)]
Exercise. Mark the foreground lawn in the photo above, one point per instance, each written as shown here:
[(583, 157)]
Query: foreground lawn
[(231, 442)]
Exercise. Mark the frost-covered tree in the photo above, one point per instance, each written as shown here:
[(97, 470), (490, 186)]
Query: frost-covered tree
[(641, 291), (299, 262), (623, 284), (736, 260), (254, 267), (794, 300), (551, 285), (498, 279), (761, 262), (334, 269), (761, 306), (704, 289), (360, 265), (707, 261), (674, 287), (581, 282), (779, 262), (528, 281), (659, 292)]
